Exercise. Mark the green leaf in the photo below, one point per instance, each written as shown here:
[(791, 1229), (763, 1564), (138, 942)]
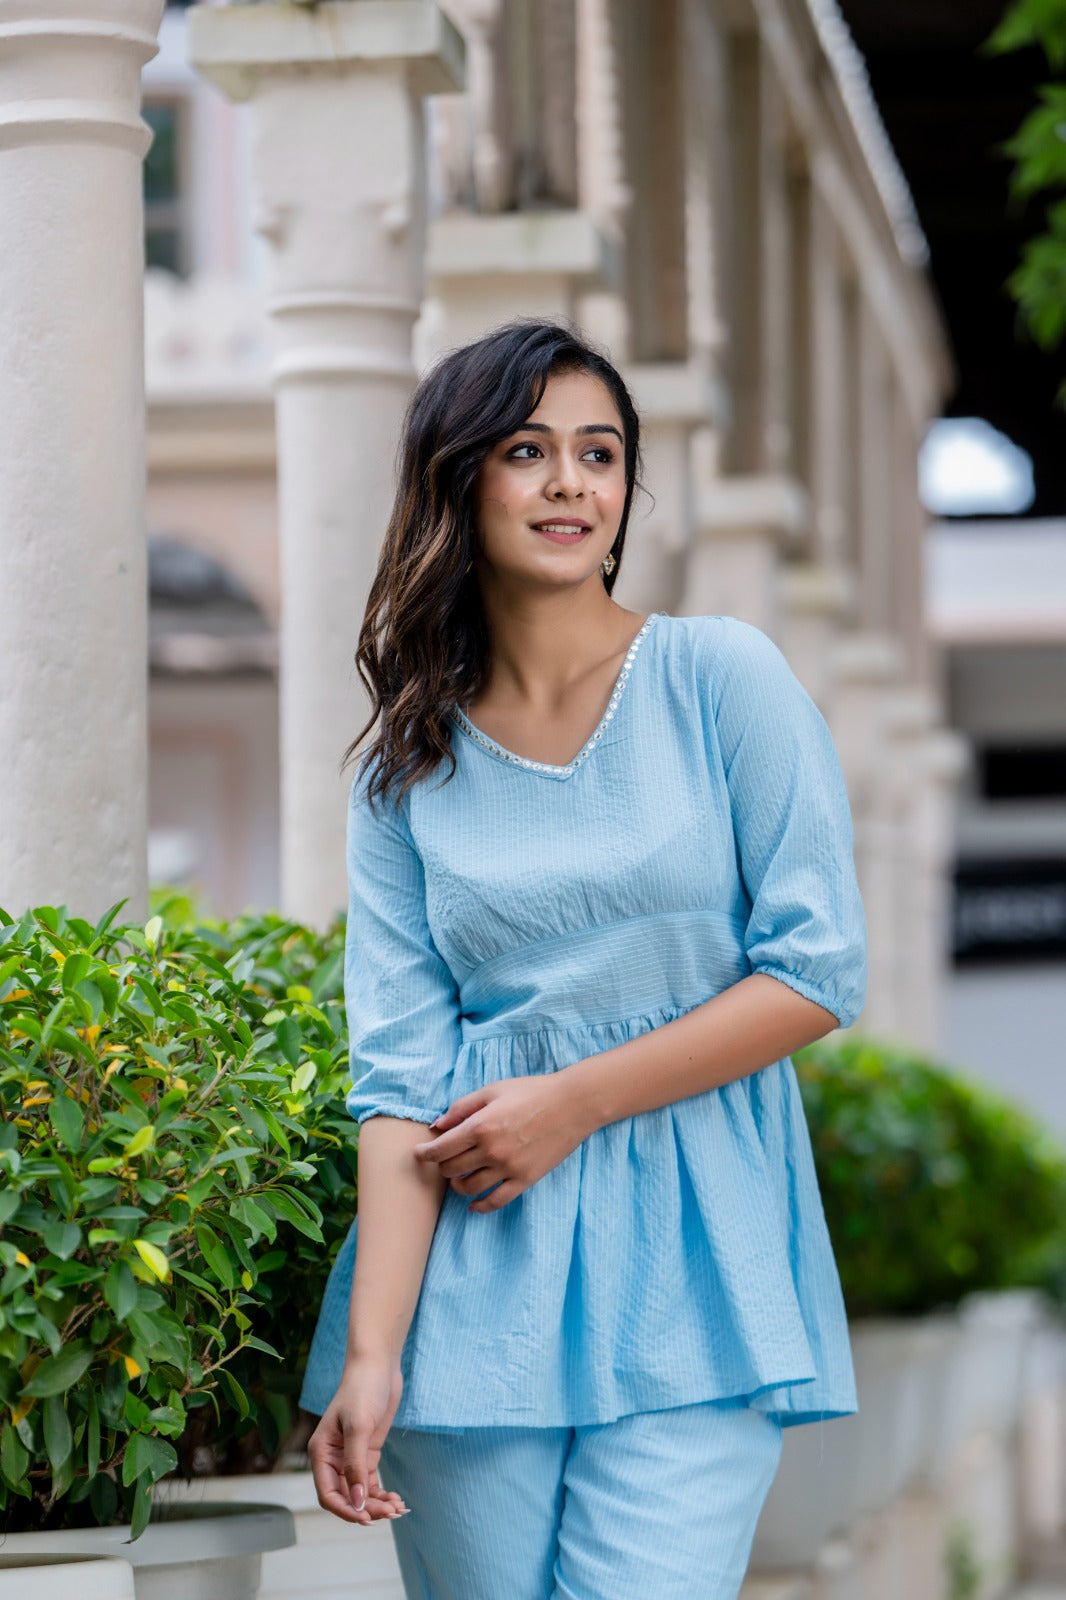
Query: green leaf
[(199, 1191), (62, 1238), (153, 1258), (142, 1140), (120, 1289), (92, 1436), (255, 1218), (135, 1411), (303, 1077), (290, 1039), (103, 1497), (107, 985), (252, 1343), (57, 1374), (142, 1508), (68, 1119), (148, 989), (302, 1199), (58, 1438), (234, 1392), (23, 1022), (161, 1334), (155, 1053), (14, 1457), (215, 1254), (148, 1457), (292, 1213), (243, 1032), (75, 968)]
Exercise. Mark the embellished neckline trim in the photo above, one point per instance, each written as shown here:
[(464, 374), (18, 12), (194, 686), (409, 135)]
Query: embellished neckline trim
[(494, 748)]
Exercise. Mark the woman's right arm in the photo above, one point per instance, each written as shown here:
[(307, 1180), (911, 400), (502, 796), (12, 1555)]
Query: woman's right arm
[(402, 1006), (399, 1203)]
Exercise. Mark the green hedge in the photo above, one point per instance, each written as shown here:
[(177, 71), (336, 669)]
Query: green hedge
[(933, 1185), (176, 1170)]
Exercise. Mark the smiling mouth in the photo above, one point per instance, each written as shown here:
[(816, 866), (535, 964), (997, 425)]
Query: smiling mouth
[(562, 526)]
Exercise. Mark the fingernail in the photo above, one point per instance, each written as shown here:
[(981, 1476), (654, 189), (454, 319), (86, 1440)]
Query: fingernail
[(359, 1497)]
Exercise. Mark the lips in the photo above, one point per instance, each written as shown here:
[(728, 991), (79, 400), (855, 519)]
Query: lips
[(563, 530)]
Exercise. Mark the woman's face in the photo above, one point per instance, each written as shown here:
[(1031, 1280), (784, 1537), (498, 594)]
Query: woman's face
[(563, 473)]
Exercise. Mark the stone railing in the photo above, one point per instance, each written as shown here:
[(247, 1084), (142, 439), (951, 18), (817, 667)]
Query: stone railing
[(205, 339)]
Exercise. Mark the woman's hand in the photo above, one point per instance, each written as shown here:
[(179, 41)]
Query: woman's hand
[(508, 1133), (345, 1448)]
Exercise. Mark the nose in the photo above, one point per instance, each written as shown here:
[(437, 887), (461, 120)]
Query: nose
[(565, 480)]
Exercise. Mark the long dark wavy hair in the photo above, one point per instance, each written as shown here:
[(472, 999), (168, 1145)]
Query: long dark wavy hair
[(423, 646)]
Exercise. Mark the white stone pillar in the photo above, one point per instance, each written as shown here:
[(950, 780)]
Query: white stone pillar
[(73, 604), (339, 171), (674, 400), (742, 527), (868, 669)]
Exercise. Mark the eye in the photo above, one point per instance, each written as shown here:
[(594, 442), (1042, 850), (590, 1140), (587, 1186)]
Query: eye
[(602, 450), (514, 455)]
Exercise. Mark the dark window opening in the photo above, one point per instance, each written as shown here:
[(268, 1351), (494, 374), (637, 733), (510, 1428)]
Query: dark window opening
[(1023, 772), (1009, 911), (165, 188)]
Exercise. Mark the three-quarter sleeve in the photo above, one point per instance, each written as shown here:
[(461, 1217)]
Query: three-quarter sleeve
[(792, 824), (400, 995)]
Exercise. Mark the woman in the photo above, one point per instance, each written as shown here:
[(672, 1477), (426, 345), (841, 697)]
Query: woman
[(601, 884)]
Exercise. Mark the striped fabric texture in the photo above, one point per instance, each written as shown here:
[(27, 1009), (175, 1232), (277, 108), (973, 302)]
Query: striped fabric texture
[(658, 1506), (517, 917)]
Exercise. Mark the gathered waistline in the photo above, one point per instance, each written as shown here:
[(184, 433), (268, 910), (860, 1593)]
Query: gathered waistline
[(494, 1030), (526, 990)]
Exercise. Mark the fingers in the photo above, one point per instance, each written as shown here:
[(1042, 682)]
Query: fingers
[(340, 1467), (477, 1182), (450, 1146), (499, 1197)]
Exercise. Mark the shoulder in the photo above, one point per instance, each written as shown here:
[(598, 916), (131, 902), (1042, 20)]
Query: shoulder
[(727, 653), (380, 813)]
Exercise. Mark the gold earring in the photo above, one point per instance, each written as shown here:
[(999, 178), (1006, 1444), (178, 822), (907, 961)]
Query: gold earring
[(608, 564)]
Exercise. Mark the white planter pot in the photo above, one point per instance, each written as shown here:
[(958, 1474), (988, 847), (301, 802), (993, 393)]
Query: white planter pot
[(64, 1577), (331, 1559), (1000, 1324), (832, 1475), (1042, 1439), (210, 1552)]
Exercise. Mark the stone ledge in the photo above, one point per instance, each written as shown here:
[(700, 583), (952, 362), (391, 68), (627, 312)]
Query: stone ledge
[(731, 507), (236, 45), (677, 391), (561, 244)]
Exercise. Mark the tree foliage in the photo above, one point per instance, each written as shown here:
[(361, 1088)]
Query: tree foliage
[(1038, 151)]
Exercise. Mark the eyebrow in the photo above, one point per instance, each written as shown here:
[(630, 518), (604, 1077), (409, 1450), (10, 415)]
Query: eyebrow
[(588, 427)]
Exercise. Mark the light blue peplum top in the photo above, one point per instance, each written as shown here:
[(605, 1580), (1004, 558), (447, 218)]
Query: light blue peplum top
[(521, 916)]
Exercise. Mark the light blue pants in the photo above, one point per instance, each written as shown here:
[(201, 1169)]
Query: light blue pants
[(660, 1505)]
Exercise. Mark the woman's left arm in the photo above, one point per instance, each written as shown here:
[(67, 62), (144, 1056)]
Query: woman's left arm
[(749, 1025), (510, 1133)]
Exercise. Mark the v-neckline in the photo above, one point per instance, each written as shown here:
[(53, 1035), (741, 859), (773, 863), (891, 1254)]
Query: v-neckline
[(492, 747)]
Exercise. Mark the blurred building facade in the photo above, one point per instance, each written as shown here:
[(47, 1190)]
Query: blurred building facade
[(706, 187), (997, 610)]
